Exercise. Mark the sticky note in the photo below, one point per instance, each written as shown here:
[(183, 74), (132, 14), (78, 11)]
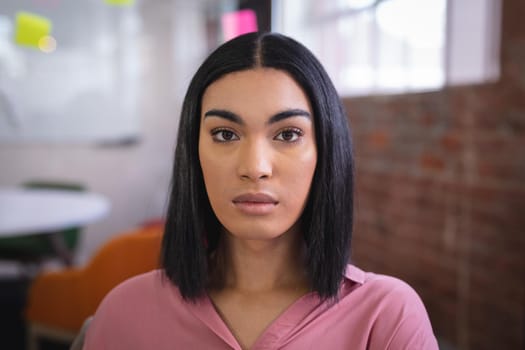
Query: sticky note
[(238, 23), (119, 2), (30, 28)]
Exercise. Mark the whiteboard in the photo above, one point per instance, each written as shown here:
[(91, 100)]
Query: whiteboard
[(83, 92)]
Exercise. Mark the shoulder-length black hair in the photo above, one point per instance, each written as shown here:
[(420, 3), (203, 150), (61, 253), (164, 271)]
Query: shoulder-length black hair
[(192, 230)]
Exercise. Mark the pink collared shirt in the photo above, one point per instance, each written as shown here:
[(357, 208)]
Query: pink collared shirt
[(374, 312)]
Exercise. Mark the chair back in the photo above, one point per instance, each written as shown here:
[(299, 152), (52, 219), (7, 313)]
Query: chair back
[(64, 299)]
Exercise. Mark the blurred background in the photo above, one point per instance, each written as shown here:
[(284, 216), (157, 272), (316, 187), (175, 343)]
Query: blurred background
[(90, 96)]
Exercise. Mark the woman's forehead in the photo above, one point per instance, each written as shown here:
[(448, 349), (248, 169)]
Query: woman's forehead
[(255, 88)]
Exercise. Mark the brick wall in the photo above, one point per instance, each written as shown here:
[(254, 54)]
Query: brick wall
[(441, 198)]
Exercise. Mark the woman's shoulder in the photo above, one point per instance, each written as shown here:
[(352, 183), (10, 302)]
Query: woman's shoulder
[(122, 314), (378, 287), (139, 285), (140, 291), (393, 309)]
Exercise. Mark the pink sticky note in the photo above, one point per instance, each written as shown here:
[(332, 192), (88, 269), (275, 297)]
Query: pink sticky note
[(238, 23)]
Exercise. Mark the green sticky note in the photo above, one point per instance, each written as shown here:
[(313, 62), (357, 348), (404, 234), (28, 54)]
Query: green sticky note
[(31, 28), (119, 2)]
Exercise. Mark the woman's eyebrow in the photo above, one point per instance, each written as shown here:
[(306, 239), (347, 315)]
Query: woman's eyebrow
[(221, 113), (289, 113), (296, 112)]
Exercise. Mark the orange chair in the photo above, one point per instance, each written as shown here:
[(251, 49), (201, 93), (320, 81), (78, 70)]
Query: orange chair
[(59, 302)]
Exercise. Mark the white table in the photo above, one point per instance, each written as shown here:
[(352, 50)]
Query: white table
[(29, 211)]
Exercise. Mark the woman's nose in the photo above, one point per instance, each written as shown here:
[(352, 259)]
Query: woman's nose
[(255, 161)]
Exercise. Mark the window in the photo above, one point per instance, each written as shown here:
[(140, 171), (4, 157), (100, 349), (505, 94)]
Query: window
[(396, 46)]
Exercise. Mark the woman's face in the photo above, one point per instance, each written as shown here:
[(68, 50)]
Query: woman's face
[(257, 151)]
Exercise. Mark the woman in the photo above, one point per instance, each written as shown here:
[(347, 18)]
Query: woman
[(257, 241)]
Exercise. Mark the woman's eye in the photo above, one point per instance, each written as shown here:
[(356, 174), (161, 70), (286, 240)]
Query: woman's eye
[(289, 135), (224, 135)]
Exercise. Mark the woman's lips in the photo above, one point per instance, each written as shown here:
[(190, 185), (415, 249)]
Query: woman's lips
[(255, 203)]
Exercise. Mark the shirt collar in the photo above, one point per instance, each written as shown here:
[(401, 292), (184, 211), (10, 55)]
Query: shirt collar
[(354, 274)]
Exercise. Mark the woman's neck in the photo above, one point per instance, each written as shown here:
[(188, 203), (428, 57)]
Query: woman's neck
[(253, 266)]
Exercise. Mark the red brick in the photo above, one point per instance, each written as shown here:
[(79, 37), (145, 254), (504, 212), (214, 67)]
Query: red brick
[(452, 142), (378, 139), (430, 161)]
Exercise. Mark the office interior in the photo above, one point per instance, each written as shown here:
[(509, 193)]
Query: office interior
[(435, 96)]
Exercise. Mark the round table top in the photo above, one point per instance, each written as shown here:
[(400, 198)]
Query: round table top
[(31, 211)]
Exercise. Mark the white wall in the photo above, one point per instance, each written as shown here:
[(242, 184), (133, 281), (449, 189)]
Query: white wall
[(134, 178)]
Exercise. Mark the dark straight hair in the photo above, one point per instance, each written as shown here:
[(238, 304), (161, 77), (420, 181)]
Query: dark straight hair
[(192, 230)]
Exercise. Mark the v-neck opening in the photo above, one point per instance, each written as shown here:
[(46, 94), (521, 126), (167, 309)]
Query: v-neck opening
[(293, 317), (209, 314)]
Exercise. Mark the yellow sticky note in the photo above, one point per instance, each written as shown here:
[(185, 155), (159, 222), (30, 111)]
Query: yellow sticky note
[(31, 28), (119, 2)]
